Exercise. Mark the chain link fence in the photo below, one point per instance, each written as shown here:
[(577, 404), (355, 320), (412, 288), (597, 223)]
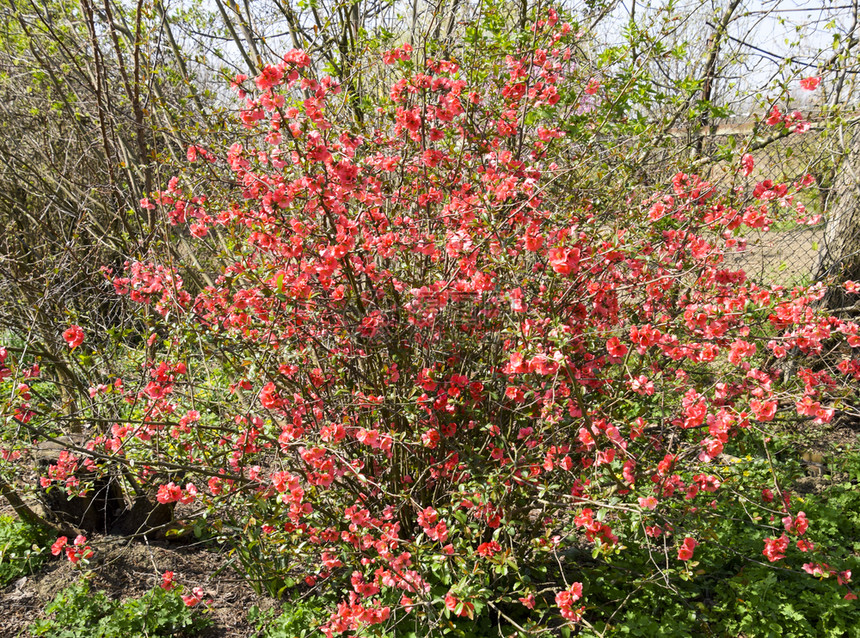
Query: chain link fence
[(788, 253)]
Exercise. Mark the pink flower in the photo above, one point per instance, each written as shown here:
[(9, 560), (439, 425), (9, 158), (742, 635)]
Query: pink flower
[(647, 502), (74, 336), (194, 598), (822, 570), (565, 600), (216, 485), (169, 493), (299, 58), (747, 164), (810, 83), (685, 551), (190, 494), (774, 548), (271, 76), (763, 410), (740, 350), (428, 517)]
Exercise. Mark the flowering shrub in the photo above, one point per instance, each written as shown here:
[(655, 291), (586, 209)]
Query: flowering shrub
[(431, 368)]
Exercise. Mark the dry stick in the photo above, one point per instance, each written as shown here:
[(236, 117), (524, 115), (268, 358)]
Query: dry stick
[(711, 67), (246, 31), (177, 55), (98, 84), (251, 66), (772, 471), (508, 618), (133, 93)]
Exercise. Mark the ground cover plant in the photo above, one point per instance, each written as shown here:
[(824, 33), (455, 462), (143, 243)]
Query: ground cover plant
[(77, 611), (443, 380), (22, 549)]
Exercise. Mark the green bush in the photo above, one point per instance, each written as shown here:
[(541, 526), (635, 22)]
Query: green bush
[(300, 619)]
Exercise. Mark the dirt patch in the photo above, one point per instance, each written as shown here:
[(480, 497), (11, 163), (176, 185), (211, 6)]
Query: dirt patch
[(128, 570)]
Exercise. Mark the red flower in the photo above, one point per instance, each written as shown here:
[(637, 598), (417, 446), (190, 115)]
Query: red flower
[(58, 545), (805, 546), (74, 336), (167, 581), (458, 607), (798, 525), (564, 261), (489, 549), (79, 550), (615, 347), (685, 551), (775, 116)]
